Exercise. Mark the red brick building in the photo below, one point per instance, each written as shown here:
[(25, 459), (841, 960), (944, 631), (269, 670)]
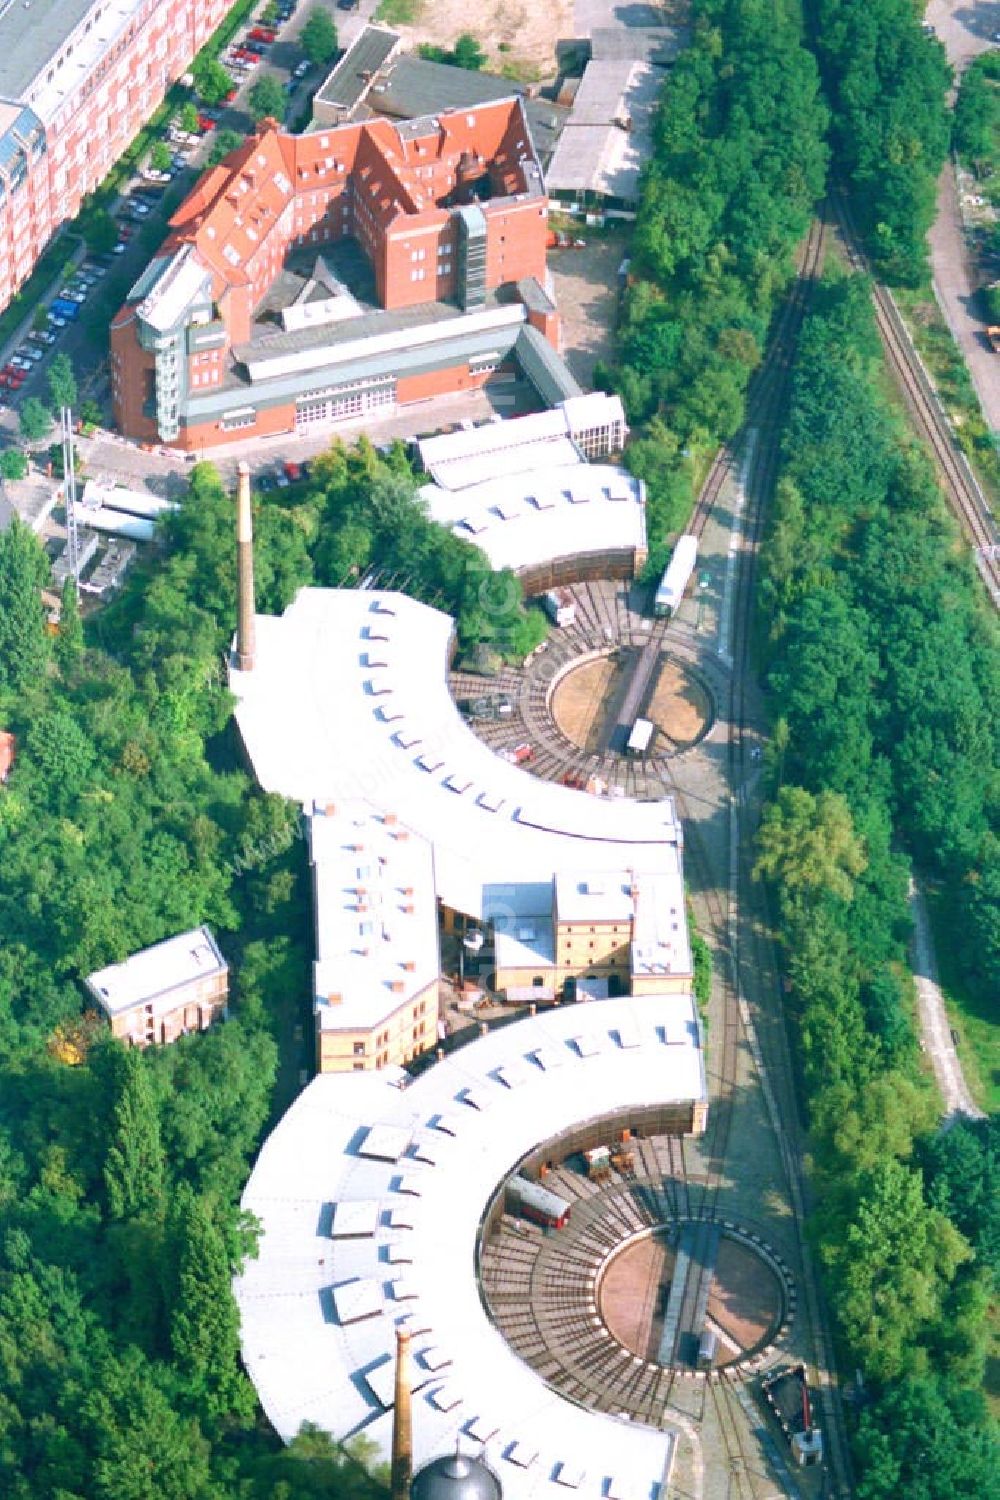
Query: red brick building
[(311, 277), (78, 78)]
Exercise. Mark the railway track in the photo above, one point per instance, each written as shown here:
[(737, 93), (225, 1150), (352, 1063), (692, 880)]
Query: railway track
[(544, 1304), (767, 403), (965, 496)]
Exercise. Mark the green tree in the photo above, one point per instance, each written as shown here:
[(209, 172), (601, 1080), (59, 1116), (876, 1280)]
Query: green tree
[(807, 844), (91, 414), (960, 1170), (62, 381), (187, 116), (133, 1163), (160, 157), (69, 641), (467, 53), (267, 98), (891, 1264), (62, 754), (24, 570), (211, 81), (318, 38), (13, 463), (204, 1319), (35, 421), (97, 227), (926, 1440), (225, 141)]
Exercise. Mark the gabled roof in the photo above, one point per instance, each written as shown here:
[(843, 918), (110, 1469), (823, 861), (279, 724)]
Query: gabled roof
[(400, 169)]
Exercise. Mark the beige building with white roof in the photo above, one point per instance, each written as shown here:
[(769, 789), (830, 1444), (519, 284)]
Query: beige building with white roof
[(162, 992), (414, 822)]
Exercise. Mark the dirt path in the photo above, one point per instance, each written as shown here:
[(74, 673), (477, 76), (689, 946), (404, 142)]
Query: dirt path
[(934, 1028)]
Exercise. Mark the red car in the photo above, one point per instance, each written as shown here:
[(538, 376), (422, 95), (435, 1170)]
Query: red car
[(205, 124), (263, 34), (230, 96), (292, 472), (16, 381)]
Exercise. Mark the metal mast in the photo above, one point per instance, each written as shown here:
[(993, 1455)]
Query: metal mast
[(69, 491)]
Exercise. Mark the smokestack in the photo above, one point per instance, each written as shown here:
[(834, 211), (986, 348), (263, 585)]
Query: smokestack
[(402, 1434), (244, 570)]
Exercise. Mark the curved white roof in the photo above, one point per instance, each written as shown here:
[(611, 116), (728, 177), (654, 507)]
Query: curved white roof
[(522, 520), (370, 1195), (349, 700)]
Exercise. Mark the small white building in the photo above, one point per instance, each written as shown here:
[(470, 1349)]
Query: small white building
[(162, 992)]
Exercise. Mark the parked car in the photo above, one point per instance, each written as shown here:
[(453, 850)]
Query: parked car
[(46, 336), (118, 249), (205, 124), (282, 480), (293, 472), (155, 174), (262, 34), (20, 363), (301, 69), (57, 320), (230, 96)]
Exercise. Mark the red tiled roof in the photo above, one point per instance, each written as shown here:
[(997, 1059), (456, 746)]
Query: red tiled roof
[(236, 205)]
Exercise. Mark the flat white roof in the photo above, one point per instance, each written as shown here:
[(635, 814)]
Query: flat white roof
[(309, 1366), (602, 896), (375, 915), (155, 973), (549, 511), (321, 724), (499, 449), (661, 943), (180, 284)]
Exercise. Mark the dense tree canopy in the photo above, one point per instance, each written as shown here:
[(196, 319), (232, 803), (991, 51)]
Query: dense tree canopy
[(23, 643), (883, 665), (887, 81), (738, 164), (126, 819)]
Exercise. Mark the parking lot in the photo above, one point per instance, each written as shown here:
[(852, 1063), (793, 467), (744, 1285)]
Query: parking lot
[(586, 290)]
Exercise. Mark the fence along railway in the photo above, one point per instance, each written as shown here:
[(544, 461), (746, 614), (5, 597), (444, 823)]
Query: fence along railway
[(543, 1296)]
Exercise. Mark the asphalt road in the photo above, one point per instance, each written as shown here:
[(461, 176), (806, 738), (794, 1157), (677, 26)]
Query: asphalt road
[(966, 30)]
